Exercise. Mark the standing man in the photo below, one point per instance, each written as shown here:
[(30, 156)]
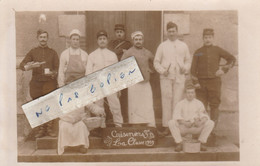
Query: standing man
[(72, 130), (119, 46), (190, 117), (172, 61), (140, 96), (205, 70), (98, 59), (73, 60), (44, 63)]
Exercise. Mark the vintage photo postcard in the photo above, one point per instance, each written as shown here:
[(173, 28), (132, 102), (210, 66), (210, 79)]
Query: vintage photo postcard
[(159, 85)]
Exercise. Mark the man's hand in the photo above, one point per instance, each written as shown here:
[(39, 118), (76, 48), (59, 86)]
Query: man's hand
[(219, 73), (199, 122), (52, 74), (166, 73), (182, 70), (99, 112), (77, 119), (188, 124)]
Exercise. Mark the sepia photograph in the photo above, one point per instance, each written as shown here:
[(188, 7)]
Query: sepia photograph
[(185, 108)]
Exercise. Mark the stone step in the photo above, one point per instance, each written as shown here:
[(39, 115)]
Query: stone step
[(48, 142), (224, 151)]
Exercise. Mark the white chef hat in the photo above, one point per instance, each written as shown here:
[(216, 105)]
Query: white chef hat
[(136, 33), (75, 32)]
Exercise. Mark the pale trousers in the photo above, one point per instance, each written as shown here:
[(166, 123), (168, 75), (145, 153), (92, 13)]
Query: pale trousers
[(172, 93), (180, 130), (115, 108)]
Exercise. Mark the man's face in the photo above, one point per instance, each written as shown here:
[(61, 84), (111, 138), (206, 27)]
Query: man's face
[(102, 41), (208, 40), (120, 34), (138, 41), (43, 38), (190, 94), (74, 41), (172, 34)]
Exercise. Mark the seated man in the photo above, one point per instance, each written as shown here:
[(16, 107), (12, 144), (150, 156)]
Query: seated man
[(190, 117)]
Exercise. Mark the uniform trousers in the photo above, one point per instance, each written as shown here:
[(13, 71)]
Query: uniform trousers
[(115, 108), (178, 130), (209, 94), (172, 93)]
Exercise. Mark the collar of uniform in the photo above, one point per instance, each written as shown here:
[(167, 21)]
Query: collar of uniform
[(102, 49), (74, 51), (208, 46), (174, 42), (43, 46)]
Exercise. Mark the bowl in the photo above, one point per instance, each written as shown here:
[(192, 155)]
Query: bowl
[(94, 122)]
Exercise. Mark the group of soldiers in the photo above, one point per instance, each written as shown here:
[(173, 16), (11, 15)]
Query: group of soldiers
[(180, 75)]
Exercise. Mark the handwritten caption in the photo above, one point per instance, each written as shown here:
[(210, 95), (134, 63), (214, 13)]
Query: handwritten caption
[(83, 91), (129, 137)]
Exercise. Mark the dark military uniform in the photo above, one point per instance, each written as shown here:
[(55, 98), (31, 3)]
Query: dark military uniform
[(117, 47), (40, 83), (204, 66)]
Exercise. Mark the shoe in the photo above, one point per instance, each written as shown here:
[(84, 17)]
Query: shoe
[(164, 133), (178, 147), (52, 134), (83, 150), (160, 134), (203, 147), (40, 134), (211, 140)]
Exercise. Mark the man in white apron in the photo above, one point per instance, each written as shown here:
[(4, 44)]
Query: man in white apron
[(140, 97), (98, 59), (72, 130), (172, 61)]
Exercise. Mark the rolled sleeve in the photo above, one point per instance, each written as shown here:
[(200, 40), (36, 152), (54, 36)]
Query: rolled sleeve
[(61, 73), (187, 60), (157, 60), (28, 58)]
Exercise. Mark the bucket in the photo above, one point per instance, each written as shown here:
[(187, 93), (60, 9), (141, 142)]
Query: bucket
[(191, 146)]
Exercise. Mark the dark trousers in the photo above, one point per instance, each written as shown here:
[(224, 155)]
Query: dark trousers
[(41, 88), (209, 94)]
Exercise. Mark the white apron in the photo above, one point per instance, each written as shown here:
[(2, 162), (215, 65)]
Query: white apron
[(73, 134), (140, 104)]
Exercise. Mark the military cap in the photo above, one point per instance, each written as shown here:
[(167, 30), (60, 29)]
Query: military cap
[(101, 33), (171, 25), (119, 27), (40, 31), (189, 84), (208, 31)]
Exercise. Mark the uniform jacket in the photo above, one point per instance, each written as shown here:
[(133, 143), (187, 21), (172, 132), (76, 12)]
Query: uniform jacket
[(171, 56), (40, 54), (206, 61)]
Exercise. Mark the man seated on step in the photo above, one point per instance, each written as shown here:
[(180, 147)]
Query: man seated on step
[(190, 117)]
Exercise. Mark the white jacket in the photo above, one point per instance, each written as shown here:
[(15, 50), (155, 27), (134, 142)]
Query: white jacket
[(99, 59), (171, 56)]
